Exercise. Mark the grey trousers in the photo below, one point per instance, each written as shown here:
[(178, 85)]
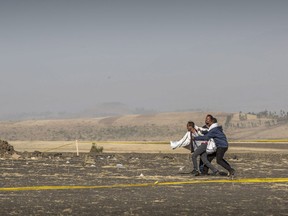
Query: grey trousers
[(201, 150)]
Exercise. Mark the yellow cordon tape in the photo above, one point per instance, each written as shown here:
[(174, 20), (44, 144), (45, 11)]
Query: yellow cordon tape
[(247, 180)]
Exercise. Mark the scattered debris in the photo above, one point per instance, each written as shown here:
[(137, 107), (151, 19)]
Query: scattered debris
[(68, 210), (15, 156), (25, 154), (36, 154), (181, 168), (95, 149), (120, 166), (88, 160), (58, 155), (6, 148), (168, 157)]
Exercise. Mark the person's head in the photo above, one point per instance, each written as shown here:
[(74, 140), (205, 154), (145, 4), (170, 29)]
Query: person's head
[(209, 120), (214, 120), (190, 125)]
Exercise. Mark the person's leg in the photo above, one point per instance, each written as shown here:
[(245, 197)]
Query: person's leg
[(226, 162), (201, 165), (219, 158), (210, 157), (207, 163), (197, 152)]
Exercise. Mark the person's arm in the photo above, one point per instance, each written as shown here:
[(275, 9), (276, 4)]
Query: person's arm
[(204, 132), (182, 142), (201, 130), (205, 137), (201, 138)]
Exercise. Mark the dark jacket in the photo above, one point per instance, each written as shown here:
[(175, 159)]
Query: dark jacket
[(217, 134)]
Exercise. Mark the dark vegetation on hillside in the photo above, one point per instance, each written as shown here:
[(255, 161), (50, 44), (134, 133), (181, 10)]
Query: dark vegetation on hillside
[(131, 131)]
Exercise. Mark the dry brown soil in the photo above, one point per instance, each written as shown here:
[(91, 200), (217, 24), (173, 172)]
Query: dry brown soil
[(134, 169)]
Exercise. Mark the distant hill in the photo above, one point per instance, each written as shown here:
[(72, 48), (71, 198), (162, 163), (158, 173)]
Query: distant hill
[(100, 110), (139, 127)]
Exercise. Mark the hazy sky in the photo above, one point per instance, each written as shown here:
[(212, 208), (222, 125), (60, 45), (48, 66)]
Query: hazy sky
[(65, 55)]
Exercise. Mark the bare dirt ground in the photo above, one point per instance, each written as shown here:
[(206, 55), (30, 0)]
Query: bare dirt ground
[(131, 147), (141, 180)]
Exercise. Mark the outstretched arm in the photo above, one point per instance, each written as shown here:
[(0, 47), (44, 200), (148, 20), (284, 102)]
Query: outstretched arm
[(182, 142), (206, 137)]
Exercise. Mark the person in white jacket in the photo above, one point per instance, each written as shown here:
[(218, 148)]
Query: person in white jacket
[(186, 141), (197, 147)]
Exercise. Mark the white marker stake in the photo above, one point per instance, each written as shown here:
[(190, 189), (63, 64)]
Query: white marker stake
[(77, 150)]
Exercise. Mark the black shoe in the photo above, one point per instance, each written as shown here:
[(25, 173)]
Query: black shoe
[(194, 172), (231, 173), (198, 173), (205, 174), (223, 173), (215, 173)]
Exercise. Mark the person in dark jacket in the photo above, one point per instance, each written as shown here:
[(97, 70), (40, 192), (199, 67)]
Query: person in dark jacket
[(216, 132)]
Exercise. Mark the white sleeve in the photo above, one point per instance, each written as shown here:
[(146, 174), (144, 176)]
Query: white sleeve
[(200, 130), (182, 142)]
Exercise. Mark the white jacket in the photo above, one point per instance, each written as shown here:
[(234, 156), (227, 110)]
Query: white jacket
[(185, 141), (211, 146)]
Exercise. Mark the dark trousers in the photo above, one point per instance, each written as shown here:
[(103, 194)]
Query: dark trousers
[(219, 154), (201, 165)]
